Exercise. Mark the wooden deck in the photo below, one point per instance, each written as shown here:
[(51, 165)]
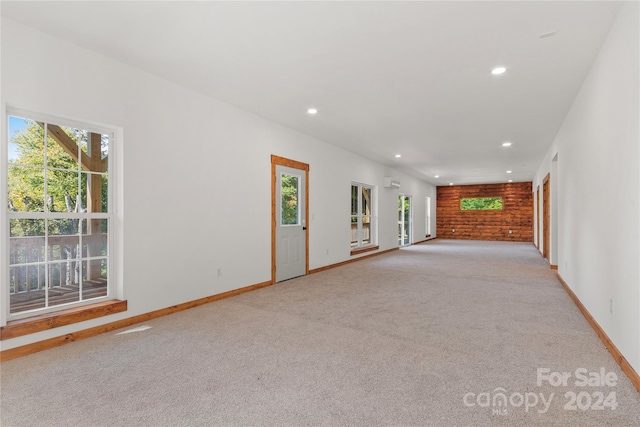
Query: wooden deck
[(58, 295), (57, 261)]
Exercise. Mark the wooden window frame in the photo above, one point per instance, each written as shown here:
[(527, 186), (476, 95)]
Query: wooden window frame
[(69, 316)]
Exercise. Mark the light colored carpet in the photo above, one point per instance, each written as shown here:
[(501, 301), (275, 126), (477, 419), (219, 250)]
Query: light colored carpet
[(394, 340)]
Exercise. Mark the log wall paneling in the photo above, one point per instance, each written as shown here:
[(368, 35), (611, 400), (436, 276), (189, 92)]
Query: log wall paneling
[(516, 214)]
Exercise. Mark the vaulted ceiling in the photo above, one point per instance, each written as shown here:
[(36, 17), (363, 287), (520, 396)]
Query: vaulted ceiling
[(387, 78)]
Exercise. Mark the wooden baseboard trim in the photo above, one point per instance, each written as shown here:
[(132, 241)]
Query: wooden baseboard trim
[(617, 356), (339, 264), (43, 322), (91, 332), (553, 267)]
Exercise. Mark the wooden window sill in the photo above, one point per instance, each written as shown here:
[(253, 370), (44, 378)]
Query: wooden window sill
[(358, 251), (43, 322)]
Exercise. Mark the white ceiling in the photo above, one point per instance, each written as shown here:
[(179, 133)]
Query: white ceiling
[(412, 78)]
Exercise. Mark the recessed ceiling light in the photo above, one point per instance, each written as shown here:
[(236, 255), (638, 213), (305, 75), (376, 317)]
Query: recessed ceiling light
[(437, 176), (510, 180), (506, 144), (398, 156), (451, 183), (508, 171), (498, 70), (312, 111)]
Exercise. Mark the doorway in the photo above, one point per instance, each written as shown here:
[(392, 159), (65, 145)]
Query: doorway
[(546, 218), (404, 220), (289, 219), (428, 217), (538, 218)]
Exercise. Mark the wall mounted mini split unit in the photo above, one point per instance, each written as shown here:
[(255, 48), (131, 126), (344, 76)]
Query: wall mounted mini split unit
[(391, 182)]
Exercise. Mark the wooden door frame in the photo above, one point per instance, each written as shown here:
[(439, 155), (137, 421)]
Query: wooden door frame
[(276, 160), (538, 218), (546, 220)]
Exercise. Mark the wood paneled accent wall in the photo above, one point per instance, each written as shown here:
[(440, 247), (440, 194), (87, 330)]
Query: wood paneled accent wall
[(516, 214)]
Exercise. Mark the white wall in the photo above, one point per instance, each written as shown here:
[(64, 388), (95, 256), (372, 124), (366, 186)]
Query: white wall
[(197, 189), (598, 188)]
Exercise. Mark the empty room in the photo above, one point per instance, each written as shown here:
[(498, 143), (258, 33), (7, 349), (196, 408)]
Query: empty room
[(367, 213)]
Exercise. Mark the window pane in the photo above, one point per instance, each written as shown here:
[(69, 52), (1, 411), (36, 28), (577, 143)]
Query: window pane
[(64, 241), (26, 227), (354, 231), (62, 191), (407, 209), (23, 279), (13, 151), (105, 193), (94, 238), (26, 243), (69, 275), (366, 201), (289, 191), (94, 282), (366, 230), (82, 137), (94, 190), (104, 145), (26, 287), (26, 142), (67, 288), (481, 203), (25, 189), (57, 274), (354, 200), (62, 147)]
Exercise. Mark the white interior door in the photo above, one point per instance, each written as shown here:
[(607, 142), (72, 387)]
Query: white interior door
[(290, 223)]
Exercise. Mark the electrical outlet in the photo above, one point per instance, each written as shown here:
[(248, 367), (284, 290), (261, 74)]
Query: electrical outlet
[(453, 230)]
